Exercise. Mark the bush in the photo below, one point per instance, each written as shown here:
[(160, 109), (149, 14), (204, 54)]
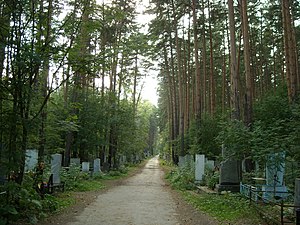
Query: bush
[(21, 202), (182, 178), (211, 178)]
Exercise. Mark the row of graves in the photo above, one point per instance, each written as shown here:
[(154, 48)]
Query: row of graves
[(54, 182), (268, 189)]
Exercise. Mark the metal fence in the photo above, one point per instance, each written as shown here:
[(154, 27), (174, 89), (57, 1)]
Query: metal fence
[(279, 205)]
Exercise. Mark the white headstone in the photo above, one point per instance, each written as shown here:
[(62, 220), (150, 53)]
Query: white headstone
[(199, 167), (85, 166), (97, 165), (31, 159), (55, 167), (75, 161)]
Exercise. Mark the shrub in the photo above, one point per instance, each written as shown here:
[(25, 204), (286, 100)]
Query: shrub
[(182, 178)]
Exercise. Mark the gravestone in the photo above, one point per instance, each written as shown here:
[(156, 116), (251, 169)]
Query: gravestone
[(85, 166), (297, 193), (75, 161), (55, 167), (181, 162), (199, 167), (189, 160), (31, 159), (97, 168), (275, 167), (230, 174)]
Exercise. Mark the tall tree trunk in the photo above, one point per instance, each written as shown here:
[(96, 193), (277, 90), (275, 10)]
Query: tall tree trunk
[(197, 112), (81, 81), (212, 78), (235, 102), (290, 51), (249, 84), (170, 104), (205, 105), (180, 82), (134, 103), (44, 77), (4, 34)]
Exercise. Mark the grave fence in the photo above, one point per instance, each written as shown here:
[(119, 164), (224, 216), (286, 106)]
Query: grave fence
[(280, 207)]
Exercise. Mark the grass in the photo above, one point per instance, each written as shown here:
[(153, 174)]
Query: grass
[(227, 209)]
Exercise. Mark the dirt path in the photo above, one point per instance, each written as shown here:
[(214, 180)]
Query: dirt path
[(143, 199)]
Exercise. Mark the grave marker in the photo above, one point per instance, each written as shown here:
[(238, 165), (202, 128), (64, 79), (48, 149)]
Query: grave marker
[(199, 167), (97, 168), (230, 174), (85, 166), (56, 160), (75, 161), (31, 159)]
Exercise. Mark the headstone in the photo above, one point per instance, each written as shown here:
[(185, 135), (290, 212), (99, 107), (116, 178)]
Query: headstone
[(210, 164), (275, 167), (55, 167), (199, 167), (274, 189), (230, 174), (31, 159), (75, 161), (181, 162), (85, 166), (297, 193), (189, 160), (97, 168)]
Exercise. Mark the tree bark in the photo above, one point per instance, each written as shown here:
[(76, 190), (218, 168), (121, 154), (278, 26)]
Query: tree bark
[(249, 84), (235, 102), (197, 112)]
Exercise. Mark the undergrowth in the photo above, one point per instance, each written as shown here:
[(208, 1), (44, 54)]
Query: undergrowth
[(227, 209), (22, 204)]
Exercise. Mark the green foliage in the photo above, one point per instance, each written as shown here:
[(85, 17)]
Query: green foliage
[(73, 177), (182, 178), (210, 178), (235, 136), (21, 202), (227, 208), (275, 128), (203, 135)]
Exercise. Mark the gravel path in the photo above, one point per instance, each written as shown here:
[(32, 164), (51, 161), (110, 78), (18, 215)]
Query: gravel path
[(142, 199)]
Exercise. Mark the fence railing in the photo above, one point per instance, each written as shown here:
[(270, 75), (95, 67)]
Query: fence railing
[(255, 194)]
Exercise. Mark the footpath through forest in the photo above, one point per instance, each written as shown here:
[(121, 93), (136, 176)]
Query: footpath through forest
[(143, 199)]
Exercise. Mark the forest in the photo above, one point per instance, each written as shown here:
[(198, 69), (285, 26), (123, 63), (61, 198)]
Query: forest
[(229, 75), (72, 80)]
